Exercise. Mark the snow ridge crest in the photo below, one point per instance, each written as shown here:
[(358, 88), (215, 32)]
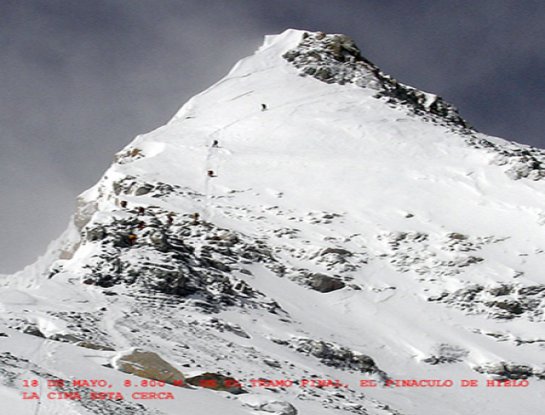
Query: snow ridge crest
[(335, 58)]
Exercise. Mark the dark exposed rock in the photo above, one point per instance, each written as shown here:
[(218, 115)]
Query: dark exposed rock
[(508, 301), (159, 240), (510, 306), (281, 342), (212, 263), (33, 330), (501, 290), (506, 370), (217, 381), (94, 346), (336, 251), (324, 283), (447, 353), (143, 190), (95, 234), (272, 363), (396, 239), (154, 250), (531, 290), (458, 236), (65, 338), (337, 356), (128, 155), (337, 59), (129, 185), (222, 326)]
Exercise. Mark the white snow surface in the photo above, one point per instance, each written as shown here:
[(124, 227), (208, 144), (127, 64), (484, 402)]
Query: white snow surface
[(317, 150)]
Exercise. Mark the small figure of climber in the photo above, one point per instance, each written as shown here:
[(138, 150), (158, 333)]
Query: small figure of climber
[(211, 173), (215, 143), (141, 210), (195, 218), (141, 225), (132, 239), (170, 218), (263, 107), (123, 204)]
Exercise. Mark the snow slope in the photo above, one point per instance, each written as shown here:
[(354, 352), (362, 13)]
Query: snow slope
[(351, 231)]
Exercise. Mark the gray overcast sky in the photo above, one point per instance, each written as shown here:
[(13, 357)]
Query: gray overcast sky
[(79, 79)]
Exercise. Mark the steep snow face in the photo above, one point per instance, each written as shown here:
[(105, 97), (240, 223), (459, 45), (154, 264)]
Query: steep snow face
[(306, 217)]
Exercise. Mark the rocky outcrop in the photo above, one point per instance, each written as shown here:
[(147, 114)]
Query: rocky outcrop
[(128, 155), (339, 260), (216, 381), (334, 355), (415, 251), (324, 283), (33, 330), (510, 371), (152, 248), (274, 407), (521, 161), (224, 326), (336, 59), (502, 301), (446, 353), (93, 346), (148, 365)]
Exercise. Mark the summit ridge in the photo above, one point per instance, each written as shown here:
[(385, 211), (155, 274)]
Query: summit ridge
[(335, 58)]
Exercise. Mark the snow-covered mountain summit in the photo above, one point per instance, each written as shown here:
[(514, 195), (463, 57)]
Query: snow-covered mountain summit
[(306, 217)]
